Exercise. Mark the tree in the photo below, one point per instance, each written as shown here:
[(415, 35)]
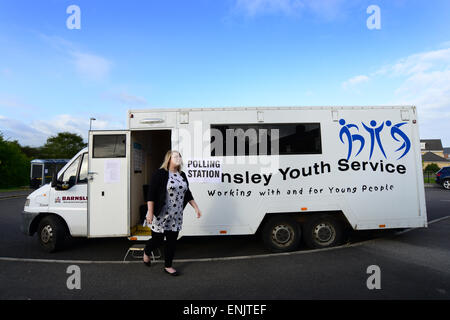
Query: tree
[(432, 167), (62, 146), (31, 152), (14, 165)]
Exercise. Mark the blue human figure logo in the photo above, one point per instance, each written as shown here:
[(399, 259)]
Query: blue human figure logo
[(374, 136), (345, 130), (395, 131)]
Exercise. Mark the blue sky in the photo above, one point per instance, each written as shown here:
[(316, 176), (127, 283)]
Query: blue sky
[(212, 53)]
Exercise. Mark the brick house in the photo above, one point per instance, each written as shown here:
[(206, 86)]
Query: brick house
[(433, 152), (446, 153)]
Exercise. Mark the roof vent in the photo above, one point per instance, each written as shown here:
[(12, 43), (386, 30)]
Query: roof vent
[(151, 120)]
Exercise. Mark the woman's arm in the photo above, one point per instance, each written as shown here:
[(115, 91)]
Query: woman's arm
[(189, 198), (152, 195), (149, 216), (195, 206)]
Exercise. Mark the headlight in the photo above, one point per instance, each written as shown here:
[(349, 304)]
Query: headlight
[(27, 202)]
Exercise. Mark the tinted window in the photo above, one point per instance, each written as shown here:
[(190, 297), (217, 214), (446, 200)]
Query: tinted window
[(263, 139), (48, 171), (109, 146), (36, 171)]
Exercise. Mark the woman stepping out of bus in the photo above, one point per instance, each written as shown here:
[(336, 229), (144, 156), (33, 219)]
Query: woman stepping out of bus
[(168, 195)]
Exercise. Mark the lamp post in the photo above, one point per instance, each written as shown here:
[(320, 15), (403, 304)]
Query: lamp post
[(90, 123)]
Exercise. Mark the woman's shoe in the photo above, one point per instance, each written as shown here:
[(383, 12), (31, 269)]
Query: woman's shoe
[(171, 273)]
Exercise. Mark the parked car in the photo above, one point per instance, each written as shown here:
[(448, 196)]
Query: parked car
[(443, 177)]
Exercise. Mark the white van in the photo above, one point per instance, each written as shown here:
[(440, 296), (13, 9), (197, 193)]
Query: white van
[(289, 173)]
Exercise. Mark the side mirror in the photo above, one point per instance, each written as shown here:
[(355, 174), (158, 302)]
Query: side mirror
[(72, 181)]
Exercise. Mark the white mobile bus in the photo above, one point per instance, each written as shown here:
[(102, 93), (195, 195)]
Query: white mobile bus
[(290, 174)]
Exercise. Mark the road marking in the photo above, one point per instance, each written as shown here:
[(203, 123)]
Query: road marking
[(439, 219), (217, 259), (429, 222), (190, 260), (12, 197), (187, 260)]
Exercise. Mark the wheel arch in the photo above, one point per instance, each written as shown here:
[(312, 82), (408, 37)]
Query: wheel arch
[(301, 217), (35, 223)]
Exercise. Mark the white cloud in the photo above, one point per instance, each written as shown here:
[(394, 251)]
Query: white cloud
[(354, 81), (36, 132), (13, 129), (6, 72), (421, 62), (15, 103), (430, 90), (79, 125), (445, 44), (125, 98), (424, 82), (130, 99), (425, 79), (327, 9), (257, 7), (88, 65)]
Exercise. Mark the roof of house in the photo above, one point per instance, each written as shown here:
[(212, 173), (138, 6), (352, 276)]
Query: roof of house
[(447, 150), (432, 144), (430, 156)]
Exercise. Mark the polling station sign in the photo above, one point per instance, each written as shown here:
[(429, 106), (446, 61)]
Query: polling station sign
[(204, 170)]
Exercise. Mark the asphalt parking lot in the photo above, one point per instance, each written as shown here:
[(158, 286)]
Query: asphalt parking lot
[(412, 265)]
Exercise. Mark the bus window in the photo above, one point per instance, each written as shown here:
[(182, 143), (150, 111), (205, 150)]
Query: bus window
[(83, 175)]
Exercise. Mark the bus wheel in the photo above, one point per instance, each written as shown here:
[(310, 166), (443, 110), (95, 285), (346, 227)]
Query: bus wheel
[(322, 231), (51, 233), (281, 234)]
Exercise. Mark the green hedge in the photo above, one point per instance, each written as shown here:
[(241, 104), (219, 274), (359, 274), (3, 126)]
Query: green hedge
[(14, 165)]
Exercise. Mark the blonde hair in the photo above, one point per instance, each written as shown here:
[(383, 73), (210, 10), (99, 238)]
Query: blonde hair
[(168, 156)]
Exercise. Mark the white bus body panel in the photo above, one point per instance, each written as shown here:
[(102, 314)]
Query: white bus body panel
[(401, 207)]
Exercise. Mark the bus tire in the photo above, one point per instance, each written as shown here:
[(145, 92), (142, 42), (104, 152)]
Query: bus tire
[(323, 231), (51, 233), (281, 234)]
